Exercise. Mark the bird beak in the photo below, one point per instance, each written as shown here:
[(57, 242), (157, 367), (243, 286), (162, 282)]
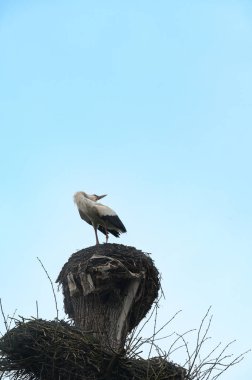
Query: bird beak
[(101, 196)]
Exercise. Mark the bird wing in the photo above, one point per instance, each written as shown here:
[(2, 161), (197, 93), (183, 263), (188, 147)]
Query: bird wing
[(113, 232), (100, 228), (109, 216)]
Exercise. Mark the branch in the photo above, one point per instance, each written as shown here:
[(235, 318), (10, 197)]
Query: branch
[(55, 299)]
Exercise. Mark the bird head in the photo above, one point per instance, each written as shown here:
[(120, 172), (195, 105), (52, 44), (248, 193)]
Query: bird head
[(91, 197), (97, 197)]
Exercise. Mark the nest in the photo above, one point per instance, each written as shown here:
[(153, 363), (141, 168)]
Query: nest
[(110, 268), (49, 350)]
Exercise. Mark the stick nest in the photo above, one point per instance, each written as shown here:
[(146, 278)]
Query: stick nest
[(46, 350), (110, 268)]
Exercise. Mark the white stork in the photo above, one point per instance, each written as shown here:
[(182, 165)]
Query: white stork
[(99, 216)]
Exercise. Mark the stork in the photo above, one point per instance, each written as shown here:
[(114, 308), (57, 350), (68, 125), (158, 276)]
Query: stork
[(99, 216)]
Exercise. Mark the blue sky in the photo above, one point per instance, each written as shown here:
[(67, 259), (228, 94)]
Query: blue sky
[(151, 104)]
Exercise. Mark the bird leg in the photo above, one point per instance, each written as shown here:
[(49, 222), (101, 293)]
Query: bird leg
[(106, 234), (96, 236)]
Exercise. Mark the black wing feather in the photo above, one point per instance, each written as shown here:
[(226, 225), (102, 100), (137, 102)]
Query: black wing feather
[(115, 221), (113, 232)]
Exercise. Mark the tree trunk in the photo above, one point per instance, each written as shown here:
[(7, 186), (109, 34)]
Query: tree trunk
[(107, 290)]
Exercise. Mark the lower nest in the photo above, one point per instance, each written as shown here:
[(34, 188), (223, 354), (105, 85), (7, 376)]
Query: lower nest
[(38, 349)]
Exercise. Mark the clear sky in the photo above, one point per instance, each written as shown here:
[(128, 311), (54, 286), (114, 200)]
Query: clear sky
[(149, 102)]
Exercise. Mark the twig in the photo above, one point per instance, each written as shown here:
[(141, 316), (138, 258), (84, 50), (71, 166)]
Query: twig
[(55, 299), (154, 332), (200, 342), (11, 319), (37, 312), (3, 315)]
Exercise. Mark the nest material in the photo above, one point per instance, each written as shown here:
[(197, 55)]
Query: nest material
[(106, 270), (50, 350)]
